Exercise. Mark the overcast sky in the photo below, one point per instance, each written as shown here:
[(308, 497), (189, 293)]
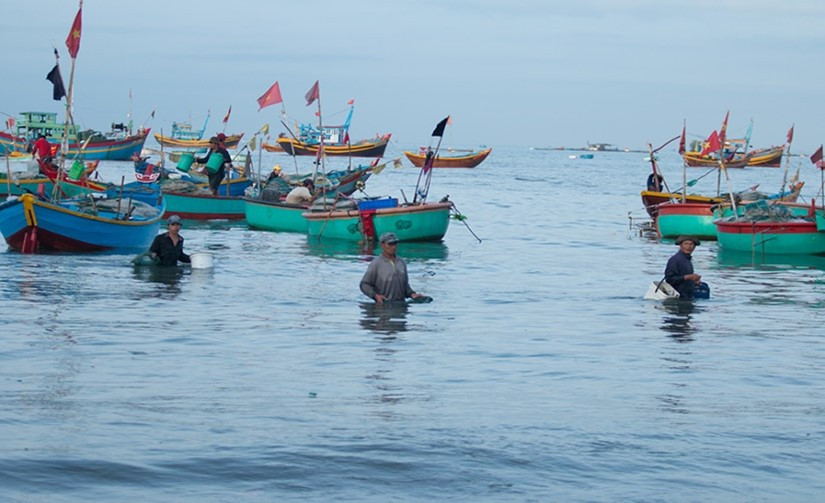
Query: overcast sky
[(510, 72)]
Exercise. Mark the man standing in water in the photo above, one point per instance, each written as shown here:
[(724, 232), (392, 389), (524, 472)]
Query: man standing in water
[(167, 248), (679, 270), (215, 179), (386, 277)]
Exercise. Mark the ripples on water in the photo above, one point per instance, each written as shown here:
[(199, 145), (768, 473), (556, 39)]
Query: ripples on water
[(537, 374)]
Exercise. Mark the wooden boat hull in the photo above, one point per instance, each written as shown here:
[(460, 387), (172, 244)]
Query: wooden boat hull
[(96, 150), (652, 199), (695, 219), (31, 225), (230, 142), (203, 206), (272, 148), (767, 157), (695, 160), (458, 161), (363, 148), (424, 222), (795, 237), (275, 216)]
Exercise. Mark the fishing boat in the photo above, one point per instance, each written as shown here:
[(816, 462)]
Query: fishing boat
[(307, 140), (272, 148), (32, 225), (781, 232), (270, 212), (469, 160), (231, 141), (410, 222), (737, 161), (362, 148), (87, 145), (696, 219)]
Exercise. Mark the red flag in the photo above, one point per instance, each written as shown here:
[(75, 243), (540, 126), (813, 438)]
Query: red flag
[(712, 144), (270, 97), (816, 157), (790, 134), (10, 123), (73, 40), (226, 117), (682, 142), (723, 133), (346, 137), (350, 102), (313, 94)]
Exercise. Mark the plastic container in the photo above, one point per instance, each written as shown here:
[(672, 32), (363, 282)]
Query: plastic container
[(375, 204), (702, 291), (185, 161), (215, 162), (201, 260), (77, 170)]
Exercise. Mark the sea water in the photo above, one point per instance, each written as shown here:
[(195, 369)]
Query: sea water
[(538, 372)]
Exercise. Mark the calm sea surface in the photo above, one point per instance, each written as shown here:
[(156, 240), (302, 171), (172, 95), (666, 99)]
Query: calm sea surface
[(537, 374)]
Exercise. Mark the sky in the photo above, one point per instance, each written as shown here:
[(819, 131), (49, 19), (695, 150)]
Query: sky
[(509, 72)]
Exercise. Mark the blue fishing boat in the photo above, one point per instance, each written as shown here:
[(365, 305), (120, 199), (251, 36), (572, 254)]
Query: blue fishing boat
[(32, 225)]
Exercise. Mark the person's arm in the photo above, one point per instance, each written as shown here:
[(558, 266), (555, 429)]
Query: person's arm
[(673, 273), (368, 282)]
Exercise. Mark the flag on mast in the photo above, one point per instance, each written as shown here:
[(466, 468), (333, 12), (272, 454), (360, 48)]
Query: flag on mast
[(272, 96), (712, 144), (723, 133), (54, 77), (816, 157), (73, 40), (439, 128), (226, 117), (313, 94), (682, 140), (790, 134)]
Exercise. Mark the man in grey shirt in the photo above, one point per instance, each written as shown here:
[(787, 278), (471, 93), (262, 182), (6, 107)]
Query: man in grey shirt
[(386, 277)]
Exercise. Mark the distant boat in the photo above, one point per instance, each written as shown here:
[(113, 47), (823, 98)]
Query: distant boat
[(470, 160), (307, 139), (231, 141), (117, 145)]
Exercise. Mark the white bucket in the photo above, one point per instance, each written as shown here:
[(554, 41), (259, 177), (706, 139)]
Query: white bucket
[(660, 291), (201, 260)]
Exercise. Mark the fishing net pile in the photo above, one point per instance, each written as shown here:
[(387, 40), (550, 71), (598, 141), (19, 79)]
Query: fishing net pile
[(762, 211), (120, 208)]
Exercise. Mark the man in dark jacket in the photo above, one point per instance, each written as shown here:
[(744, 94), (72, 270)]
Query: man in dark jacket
[(167, 248), (679, 270)]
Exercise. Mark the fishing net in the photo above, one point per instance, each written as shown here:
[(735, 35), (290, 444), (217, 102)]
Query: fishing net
[(762, 211)]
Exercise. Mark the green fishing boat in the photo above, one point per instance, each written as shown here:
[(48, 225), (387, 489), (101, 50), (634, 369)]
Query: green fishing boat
[(275, 215), (410, 222), (203, 206), (777, 231)]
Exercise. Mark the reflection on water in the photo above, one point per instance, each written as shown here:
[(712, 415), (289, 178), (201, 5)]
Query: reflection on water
[(169, 276), (678, 321), (408, 250), (387, 319), (737, 259)]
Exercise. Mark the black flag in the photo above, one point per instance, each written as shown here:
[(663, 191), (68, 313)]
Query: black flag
[(55, 78), (439, 128)]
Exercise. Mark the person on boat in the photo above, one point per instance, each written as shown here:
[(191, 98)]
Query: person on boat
[(679, 270), (42, 150), (276, 173), (655, 182), (215, 179), (386, 277), (167, 248), (303, 194)]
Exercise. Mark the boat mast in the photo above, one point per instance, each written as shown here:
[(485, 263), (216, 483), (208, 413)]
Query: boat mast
[(787, 161)]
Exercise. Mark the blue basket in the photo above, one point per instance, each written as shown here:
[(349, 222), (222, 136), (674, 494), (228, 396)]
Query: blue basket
[(702, 291), (375, 204)]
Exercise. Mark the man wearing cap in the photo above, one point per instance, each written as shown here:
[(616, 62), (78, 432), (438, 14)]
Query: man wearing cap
[(302, 194), (386, 277), (679, 270), (167, 248), (215, 179)]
